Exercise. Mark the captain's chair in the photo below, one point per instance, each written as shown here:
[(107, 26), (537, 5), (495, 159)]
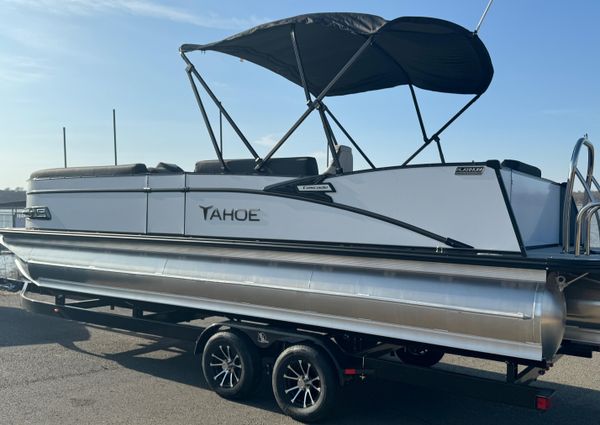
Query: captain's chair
[(346, 162)]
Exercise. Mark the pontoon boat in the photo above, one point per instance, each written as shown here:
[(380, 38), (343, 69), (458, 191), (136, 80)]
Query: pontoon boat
[(489, 257)]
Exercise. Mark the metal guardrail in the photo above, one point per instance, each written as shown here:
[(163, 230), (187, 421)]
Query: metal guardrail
[(12, 217), (584, 216)]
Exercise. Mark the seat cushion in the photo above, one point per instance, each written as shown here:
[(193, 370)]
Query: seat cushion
[(289, 167), (163, 168), (345, 157), (96, 171)]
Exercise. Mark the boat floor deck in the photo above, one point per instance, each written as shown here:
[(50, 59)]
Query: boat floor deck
[(556, 252)]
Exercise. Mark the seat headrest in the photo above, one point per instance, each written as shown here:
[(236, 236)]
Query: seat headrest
[(346, 160), (163, 167), (513, 164)]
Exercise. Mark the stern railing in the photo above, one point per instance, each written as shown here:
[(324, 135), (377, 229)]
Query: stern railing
[(591, 205)]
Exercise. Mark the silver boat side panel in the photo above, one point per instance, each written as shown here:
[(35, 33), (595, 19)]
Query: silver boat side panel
[(469, 307), (583, 307)]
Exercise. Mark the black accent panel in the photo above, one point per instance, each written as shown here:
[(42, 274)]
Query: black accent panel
[(511, 213), (291, 188), (288, 167), (492, 163), (513, 164), (97, 171), (457, 244), (163, 168)]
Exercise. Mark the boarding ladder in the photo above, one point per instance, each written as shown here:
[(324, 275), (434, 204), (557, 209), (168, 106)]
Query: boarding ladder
[(591, 204)]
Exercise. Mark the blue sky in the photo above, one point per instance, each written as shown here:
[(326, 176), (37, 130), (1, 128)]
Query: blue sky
[(70, 62)]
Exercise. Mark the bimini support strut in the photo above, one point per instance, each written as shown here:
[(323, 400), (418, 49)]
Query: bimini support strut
[(436, 136), (422, 124), (317, 102), (348, 136), (326, 128), (211, 133), (191, 69)]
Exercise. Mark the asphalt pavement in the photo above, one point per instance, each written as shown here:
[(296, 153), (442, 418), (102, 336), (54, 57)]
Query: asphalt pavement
[(54, 371)]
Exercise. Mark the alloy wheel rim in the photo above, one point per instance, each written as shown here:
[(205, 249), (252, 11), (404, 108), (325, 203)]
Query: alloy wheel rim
[(226, 365), (302, 383)]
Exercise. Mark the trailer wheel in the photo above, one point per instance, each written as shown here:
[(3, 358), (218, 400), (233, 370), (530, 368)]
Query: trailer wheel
[(304, 383), (231, 365), (419, 356)]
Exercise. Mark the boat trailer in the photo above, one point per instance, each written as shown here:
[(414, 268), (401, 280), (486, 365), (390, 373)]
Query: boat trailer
[(347, 357)]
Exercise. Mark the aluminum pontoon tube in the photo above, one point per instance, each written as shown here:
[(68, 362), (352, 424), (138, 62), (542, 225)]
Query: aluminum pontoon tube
[(502, 311), (583, 307)]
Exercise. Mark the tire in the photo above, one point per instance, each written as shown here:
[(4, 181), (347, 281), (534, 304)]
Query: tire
[(231, 365), (304, 383), (420, 356)]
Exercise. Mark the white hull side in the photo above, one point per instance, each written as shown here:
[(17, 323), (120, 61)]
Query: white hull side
[(293, 219), (372, 207), (467, 208)]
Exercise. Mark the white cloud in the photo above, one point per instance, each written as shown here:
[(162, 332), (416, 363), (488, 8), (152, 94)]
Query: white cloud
[(32, 38), (268, 140), (22, 69), (144, 8), (319, 155)]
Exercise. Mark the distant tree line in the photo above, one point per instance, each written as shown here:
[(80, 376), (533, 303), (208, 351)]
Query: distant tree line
[(12, 195), (581, 197)]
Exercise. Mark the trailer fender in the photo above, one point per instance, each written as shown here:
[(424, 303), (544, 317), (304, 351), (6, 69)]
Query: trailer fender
[(205, 335)]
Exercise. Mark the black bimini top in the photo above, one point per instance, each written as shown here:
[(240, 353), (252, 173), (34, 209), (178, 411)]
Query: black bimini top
[(429, 53)]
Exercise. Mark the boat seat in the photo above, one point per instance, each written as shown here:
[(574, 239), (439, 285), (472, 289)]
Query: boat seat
[(513, 164), (345, 157), (164, 168), (302, 166), (95, 171)]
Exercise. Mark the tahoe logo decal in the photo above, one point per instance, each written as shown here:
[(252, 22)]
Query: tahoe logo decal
[(234, 214)]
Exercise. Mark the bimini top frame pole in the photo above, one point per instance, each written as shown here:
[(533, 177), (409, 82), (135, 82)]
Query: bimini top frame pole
[(348, 136), (436, 136), (312, 105), (428, 53), (191, 69), (328, 133)]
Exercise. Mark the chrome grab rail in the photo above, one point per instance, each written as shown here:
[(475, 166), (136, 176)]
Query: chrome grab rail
[(591, 207), (584, 218)]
